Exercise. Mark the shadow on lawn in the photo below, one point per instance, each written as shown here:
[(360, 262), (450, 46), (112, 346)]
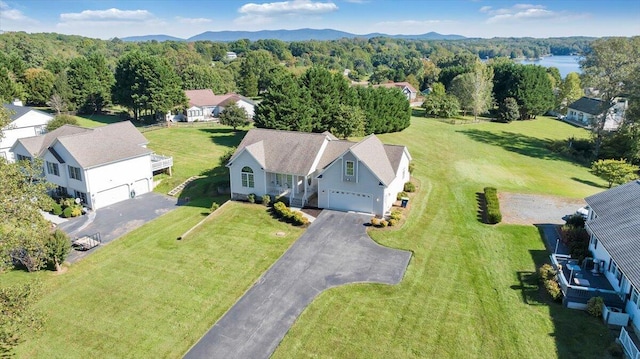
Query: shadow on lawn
[(225, 136), (576, 333), (590, 183), (482, 207), (514, 142)]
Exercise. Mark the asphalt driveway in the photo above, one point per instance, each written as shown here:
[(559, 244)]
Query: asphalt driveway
[(117, 219), (335, 250)]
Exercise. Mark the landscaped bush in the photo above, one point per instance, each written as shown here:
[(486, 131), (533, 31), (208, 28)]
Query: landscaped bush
[(284, 212), (493, 205), (396, 214), (412, 166), (76, 211), (547, 272), (553, 288), (266, 200), (393, 222), (66, 213), (575, 220), (409, 187), (400, 195), (375, 222), (56, 209), (214, 206), (383, 223), (251, 198), (594, 306)]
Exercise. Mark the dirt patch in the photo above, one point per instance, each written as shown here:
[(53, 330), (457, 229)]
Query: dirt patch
[(518, 208), (313, 212)]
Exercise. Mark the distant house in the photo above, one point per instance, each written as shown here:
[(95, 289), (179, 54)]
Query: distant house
[(222, 101), (585, 110), (100, 166), (25, 122), (204, 105), (231, 55), (405, 87), (320, 170)]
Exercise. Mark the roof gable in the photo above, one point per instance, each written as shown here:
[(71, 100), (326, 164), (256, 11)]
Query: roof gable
[(617, 226), (19, 111), (372, 153)]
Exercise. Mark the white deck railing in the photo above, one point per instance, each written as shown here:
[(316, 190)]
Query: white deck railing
[(160, 162), (629, 346)]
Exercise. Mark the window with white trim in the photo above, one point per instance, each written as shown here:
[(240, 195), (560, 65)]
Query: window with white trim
[(349, 168), (74, 172), (635, 297), (81, 195), (52, 169), (23, 158), (247, 177)]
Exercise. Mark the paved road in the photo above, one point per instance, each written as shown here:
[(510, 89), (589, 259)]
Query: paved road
[(117, 219), (335, 250)]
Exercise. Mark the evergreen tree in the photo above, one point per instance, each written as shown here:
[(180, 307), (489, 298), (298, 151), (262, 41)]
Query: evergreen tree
[(285, 106)]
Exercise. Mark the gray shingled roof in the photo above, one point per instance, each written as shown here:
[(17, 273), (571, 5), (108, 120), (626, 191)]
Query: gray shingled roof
[(37, 145), (92, 146), (588, 105), (106, 144), (287, 152), (372, 153), (334, 150), (617, 226), (19, 111)]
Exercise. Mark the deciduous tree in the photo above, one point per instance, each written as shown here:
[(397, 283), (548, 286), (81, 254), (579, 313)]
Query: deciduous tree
[(615, 171), (61, 120), (18, 315)]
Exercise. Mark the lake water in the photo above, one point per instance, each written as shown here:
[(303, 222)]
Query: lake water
[(565, 64)]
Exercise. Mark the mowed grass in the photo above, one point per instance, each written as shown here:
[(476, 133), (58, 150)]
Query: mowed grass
[(468, 291), (148, 295)]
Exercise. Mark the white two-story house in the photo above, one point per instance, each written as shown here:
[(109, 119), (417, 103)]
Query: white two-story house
[(614, 225), (25, 122), (100, 166)]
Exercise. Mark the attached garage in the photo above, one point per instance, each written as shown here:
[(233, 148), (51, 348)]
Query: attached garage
[(350, 201), (140, 187), (111, 196)]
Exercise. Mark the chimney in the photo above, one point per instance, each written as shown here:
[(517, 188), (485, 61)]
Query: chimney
[(17, 102)]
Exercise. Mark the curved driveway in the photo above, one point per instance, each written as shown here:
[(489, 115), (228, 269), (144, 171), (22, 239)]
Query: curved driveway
[(335, 250)]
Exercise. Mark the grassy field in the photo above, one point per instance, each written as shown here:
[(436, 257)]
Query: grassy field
[(467, 291), (148, 295)]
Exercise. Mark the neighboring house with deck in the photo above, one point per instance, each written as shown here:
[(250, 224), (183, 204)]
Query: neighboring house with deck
[(24, 122), (204, 105), (585, 111), (317, 169), (100, 166)]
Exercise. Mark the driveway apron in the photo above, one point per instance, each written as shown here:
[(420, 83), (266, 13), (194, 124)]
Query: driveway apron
[(335, 250)]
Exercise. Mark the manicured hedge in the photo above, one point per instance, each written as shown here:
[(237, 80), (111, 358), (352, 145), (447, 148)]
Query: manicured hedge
[(284, 212), (493, 205)]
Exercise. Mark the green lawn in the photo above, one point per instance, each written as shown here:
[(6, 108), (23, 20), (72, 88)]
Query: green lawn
[(467, 291), (148, 295)]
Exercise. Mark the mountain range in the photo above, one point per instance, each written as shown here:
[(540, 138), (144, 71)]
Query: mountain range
[(287, 35)]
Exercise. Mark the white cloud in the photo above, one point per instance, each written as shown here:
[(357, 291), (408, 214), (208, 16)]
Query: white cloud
[(518, 12), (304, 7), (112, 14), (9, 15), (197, 20)]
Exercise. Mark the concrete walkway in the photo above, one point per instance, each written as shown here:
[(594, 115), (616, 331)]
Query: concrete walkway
[(335, 250)]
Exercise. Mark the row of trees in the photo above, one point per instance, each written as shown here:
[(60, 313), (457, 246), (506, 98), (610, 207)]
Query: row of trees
[(321, 101)]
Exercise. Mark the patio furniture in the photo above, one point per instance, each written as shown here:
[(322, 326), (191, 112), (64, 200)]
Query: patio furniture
[(582, 282)]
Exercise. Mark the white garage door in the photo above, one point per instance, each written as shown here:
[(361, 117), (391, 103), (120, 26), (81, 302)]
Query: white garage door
[(112, 196), (141, 186), (350, 201)]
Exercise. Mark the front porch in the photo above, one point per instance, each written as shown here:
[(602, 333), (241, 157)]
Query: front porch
[(161, 163), (630, 342), (579, 283), (299, 190)]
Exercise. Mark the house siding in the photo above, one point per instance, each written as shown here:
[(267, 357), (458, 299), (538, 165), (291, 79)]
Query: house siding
[(599, 252), (366, 182), (235, 173), (30, 124), (135, 174), (397, 186)]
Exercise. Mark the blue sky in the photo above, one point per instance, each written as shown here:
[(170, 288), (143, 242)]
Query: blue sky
[(472, 18)]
